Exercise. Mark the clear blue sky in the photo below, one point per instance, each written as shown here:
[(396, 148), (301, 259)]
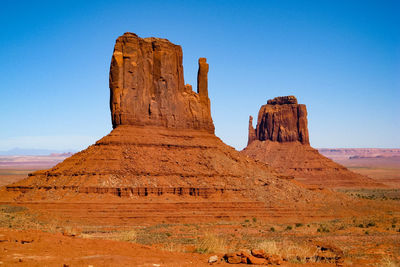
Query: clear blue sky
[(340, 58)]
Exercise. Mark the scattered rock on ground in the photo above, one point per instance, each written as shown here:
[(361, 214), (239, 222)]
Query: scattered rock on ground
[(213, 259)]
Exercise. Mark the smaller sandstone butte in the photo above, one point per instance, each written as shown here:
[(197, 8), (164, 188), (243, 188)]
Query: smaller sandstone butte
[(281, 140), (282, 120), (147, 86)]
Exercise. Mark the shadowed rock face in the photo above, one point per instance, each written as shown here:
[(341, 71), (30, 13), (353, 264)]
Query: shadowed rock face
[(282, 120), (147, 86)]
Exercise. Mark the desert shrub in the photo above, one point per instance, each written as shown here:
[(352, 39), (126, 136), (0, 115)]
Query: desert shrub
[(323, 229), (289, 228), (299, 224), (366, 232), (11, 209), (389, 262), (254, 219), (370, 224), (272, 229), (71, 231), (361, 225), (294, 252), (173, 247), (129, 236), (211, 243), (270, 247)]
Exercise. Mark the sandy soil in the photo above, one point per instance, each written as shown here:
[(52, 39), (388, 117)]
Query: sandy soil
[(36, 248), (152, 233), (30, 236)]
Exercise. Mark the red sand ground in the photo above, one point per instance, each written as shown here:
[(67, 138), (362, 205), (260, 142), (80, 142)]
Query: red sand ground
[(377, 247), (36, 248)]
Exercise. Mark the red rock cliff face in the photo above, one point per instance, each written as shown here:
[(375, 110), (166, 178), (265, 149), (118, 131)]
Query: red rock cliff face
[(282, 120), (147, 86)]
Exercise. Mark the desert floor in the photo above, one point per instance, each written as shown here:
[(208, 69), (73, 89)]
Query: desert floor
[(37, 235)]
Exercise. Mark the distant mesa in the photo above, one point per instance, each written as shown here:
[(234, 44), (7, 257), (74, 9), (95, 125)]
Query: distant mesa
[(281, 140)]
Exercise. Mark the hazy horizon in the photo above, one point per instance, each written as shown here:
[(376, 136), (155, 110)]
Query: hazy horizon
[(340, 58)]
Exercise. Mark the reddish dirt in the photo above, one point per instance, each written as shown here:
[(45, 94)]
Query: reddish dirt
[(153, 211), (35, 248)]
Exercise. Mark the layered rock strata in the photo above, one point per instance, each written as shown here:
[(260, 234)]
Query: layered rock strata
[(281, 140), (147, 86), (282, 120)]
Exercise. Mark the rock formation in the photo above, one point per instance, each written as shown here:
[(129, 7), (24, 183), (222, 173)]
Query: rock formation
[(282, 120), (147, 86), (163, 140), (281, 140), (162, 161)]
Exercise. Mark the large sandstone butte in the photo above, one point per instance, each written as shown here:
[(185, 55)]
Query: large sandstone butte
[(147, 86), (281, 140), (163, 155)]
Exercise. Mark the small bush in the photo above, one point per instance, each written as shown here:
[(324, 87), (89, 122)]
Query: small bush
[(246, 221), (366, 232), (211, 243), (289, 228), (299, 224), (323, 229), (361, 225), (293, 252), (269, 247), (129, 236), (254, 219), (389, 262), (272, 229), (370, 224)]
